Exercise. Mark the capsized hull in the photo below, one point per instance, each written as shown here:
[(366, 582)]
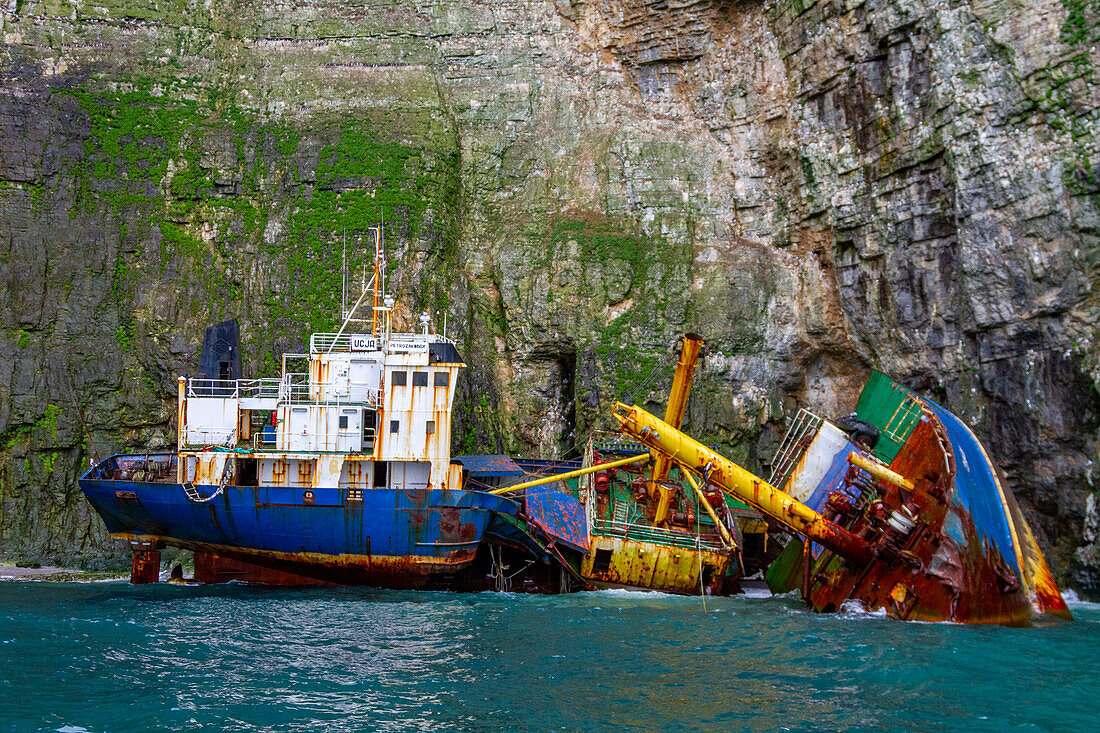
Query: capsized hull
[(929, 538), (391, 537), (970, 555)]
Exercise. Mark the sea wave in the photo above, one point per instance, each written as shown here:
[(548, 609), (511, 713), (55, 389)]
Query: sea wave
[(1074, 601)]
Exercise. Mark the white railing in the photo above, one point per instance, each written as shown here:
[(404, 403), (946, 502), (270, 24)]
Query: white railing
[(794, 446), (233, 388), (320, 343), (269, 441), (226, 437), (351, 393), (294, 388), (339, 441)]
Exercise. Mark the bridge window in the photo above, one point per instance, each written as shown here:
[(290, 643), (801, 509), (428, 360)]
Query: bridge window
[(442, 379), (429, 427), (395, 426), (420, 379), (399, 378)]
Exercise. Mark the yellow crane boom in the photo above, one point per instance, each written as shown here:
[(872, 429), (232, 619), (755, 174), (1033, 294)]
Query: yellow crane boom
[(736, 481)]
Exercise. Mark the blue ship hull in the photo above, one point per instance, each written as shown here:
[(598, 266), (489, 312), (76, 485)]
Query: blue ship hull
[(391, 537)]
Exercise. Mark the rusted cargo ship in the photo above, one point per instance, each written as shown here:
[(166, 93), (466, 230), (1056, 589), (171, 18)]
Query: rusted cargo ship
[(338, 471)]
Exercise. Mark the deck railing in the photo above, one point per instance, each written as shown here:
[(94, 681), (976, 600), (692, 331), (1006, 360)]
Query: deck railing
[(268, 440), (152, 467), (794, 445), (320, 343), (233, 388), (293, 388), (658, 535)]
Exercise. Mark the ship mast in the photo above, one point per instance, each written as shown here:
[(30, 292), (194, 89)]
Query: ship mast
[(376, 288), (377, 281)]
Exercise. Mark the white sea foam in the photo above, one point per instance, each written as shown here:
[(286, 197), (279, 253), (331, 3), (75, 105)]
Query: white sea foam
[(756, 593), (855, 607), (634, 593), (1073, 601)]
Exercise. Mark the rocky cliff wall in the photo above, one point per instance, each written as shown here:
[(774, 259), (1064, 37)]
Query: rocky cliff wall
[(819, 188)]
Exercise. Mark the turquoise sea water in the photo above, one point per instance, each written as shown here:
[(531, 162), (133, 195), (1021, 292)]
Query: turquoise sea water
[(113, 657)]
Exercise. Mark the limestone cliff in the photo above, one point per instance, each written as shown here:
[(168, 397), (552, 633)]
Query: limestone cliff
[(819, 188)]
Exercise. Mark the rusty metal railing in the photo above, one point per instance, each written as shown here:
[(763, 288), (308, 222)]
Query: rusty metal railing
[(902, 421), (656, 535), (297, 389), (148, 467)]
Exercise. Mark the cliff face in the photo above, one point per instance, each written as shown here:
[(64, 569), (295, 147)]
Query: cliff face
[(818, 188)]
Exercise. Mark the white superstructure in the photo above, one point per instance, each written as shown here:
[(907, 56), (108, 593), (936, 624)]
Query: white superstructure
[(369, 410)]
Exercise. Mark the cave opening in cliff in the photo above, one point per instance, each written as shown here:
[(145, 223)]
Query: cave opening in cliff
[(567, 399)]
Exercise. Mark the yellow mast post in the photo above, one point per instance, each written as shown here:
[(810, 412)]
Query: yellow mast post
[(690, 346), (880, 472), (736, 481)]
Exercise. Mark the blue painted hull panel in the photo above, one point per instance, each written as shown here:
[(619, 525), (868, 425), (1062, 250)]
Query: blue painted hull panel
[(391, 531), (977, 489)]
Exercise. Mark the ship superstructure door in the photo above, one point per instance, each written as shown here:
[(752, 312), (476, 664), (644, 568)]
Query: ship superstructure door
[(349, 429), (364, 380), (332, 427), (329, 377)]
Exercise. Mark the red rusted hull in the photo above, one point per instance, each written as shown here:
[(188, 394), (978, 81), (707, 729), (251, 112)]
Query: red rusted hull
[(930, 576), (477, 574), (933, 536), (222, 564), (969, 557), (145, 564)]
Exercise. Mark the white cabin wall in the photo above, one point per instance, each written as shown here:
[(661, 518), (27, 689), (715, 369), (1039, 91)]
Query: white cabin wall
[(409, 474), (816, 461), (364, 378), (328, 471), (211, 421), (413, 407), (287, 471)]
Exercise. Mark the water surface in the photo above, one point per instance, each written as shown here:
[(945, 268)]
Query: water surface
[(115, 657)]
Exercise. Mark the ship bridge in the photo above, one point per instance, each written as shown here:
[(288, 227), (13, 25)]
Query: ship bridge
[(356, 409)]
